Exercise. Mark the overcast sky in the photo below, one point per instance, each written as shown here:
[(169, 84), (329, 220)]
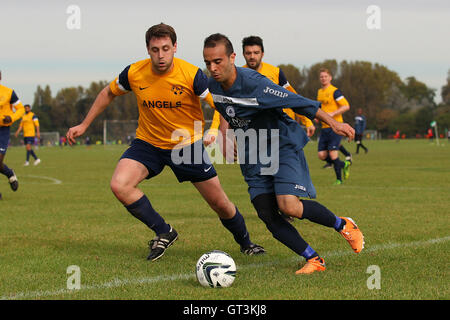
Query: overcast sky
[(38, 48)]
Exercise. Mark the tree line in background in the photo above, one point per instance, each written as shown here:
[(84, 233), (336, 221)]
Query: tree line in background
[(389, 103)]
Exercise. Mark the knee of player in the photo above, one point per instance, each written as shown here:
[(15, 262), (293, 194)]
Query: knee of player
[(290, 209), (117, 187), (223, 207), (322, 156)]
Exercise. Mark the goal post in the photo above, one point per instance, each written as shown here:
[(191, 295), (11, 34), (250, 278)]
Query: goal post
[(371, 135), (119, 131), (124, 131), (48, 139)]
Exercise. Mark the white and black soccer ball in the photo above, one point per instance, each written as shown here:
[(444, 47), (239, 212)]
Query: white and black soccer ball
[(215, 269)]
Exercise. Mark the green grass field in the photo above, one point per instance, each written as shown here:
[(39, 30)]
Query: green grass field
[(65, 214)]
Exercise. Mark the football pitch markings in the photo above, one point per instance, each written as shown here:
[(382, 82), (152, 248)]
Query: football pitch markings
[(52, 180), (124, 282)]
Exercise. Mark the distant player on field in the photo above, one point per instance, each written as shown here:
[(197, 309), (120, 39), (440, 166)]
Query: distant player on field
[(253, 51), (360, 126), (30, 126), (252, 104), (334, 103), (11, 109), (168, 92)]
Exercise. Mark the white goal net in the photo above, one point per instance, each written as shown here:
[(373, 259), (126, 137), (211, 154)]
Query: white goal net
[(119, 131), (124, 131), (371, 135), (48, 139)]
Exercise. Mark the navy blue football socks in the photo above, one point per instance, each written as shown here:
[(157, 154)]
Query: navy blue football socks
[(267, 208), (317, 213), (31, 152), (344, 151), (338, 165), (309, 253), (6, 171), (237, 227), (143, 210)]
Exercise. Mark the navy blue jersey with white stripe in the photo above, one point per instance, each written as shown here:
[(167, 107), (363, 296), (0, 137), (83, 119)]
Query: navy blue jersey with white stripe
[(360, 124), (255, 102)]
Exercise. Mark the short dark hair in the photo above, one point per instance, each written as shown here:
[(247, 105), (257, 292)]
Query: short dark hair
[(160, 31), (214, 39), (27, 105), (252, 41), (325, 70)]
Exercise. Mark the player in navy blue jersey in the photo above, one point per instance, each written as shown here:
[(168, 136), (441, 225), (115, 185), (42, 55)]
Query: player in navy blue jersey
[(360, 126), (270, 149)]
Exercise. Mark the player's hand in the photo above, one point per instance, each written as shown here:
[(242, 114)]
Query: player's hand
[(344, 129), (75, 132), (310, 130), (7, 120), (209, 139)]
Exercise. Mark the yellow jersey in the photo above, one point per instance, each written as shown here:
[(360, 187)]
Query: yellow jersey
[(10, 105), (29, 124), (277, 76), (331, 99), (168, 103)]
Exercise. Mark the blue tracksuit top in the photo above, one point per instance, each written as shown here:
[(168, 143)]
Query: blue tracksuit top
[(255, 102), (360, 124)]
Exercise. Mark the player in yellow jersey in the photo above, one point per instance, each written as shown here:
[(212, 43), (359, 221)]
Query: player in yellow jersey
[(30, 126), (335, 104), (11, 109), (168, 92), (253, 51)]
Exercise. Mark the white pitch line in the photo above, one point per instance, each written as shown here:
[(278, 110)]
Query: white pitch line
[(123, 282), (54, 180)]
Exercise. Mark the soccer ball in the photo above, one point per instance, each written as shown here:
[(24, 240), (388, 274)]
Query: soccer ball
[(216, 269)]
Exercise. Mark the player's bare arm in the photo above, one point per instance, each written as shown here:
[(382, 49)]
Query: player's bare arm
[(210, 136), (310, 130), (340, 128), (227, 145), (104, 98), (340, 110), (209, 139), (18, 130)]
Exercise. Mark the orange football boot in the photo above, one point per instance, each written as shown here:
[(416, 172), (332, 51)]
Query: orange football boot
[(312, 265), (353, 235)]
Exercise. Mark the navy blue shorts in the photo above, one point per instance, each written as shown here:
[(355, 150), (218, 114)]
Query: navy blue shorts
[(193, 166), (329, 140), (291, 178), (28, 140), (4, 139)]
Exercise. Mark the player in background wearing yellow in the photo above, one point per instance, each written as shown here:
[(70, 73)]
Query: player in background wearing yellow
[(30, 126), (253, 51), (168, 92), (334, 103), (11, 109)]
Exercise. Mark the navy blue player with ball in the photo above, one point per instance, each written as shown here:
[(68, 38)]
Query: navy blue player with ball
[(252, 104)]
